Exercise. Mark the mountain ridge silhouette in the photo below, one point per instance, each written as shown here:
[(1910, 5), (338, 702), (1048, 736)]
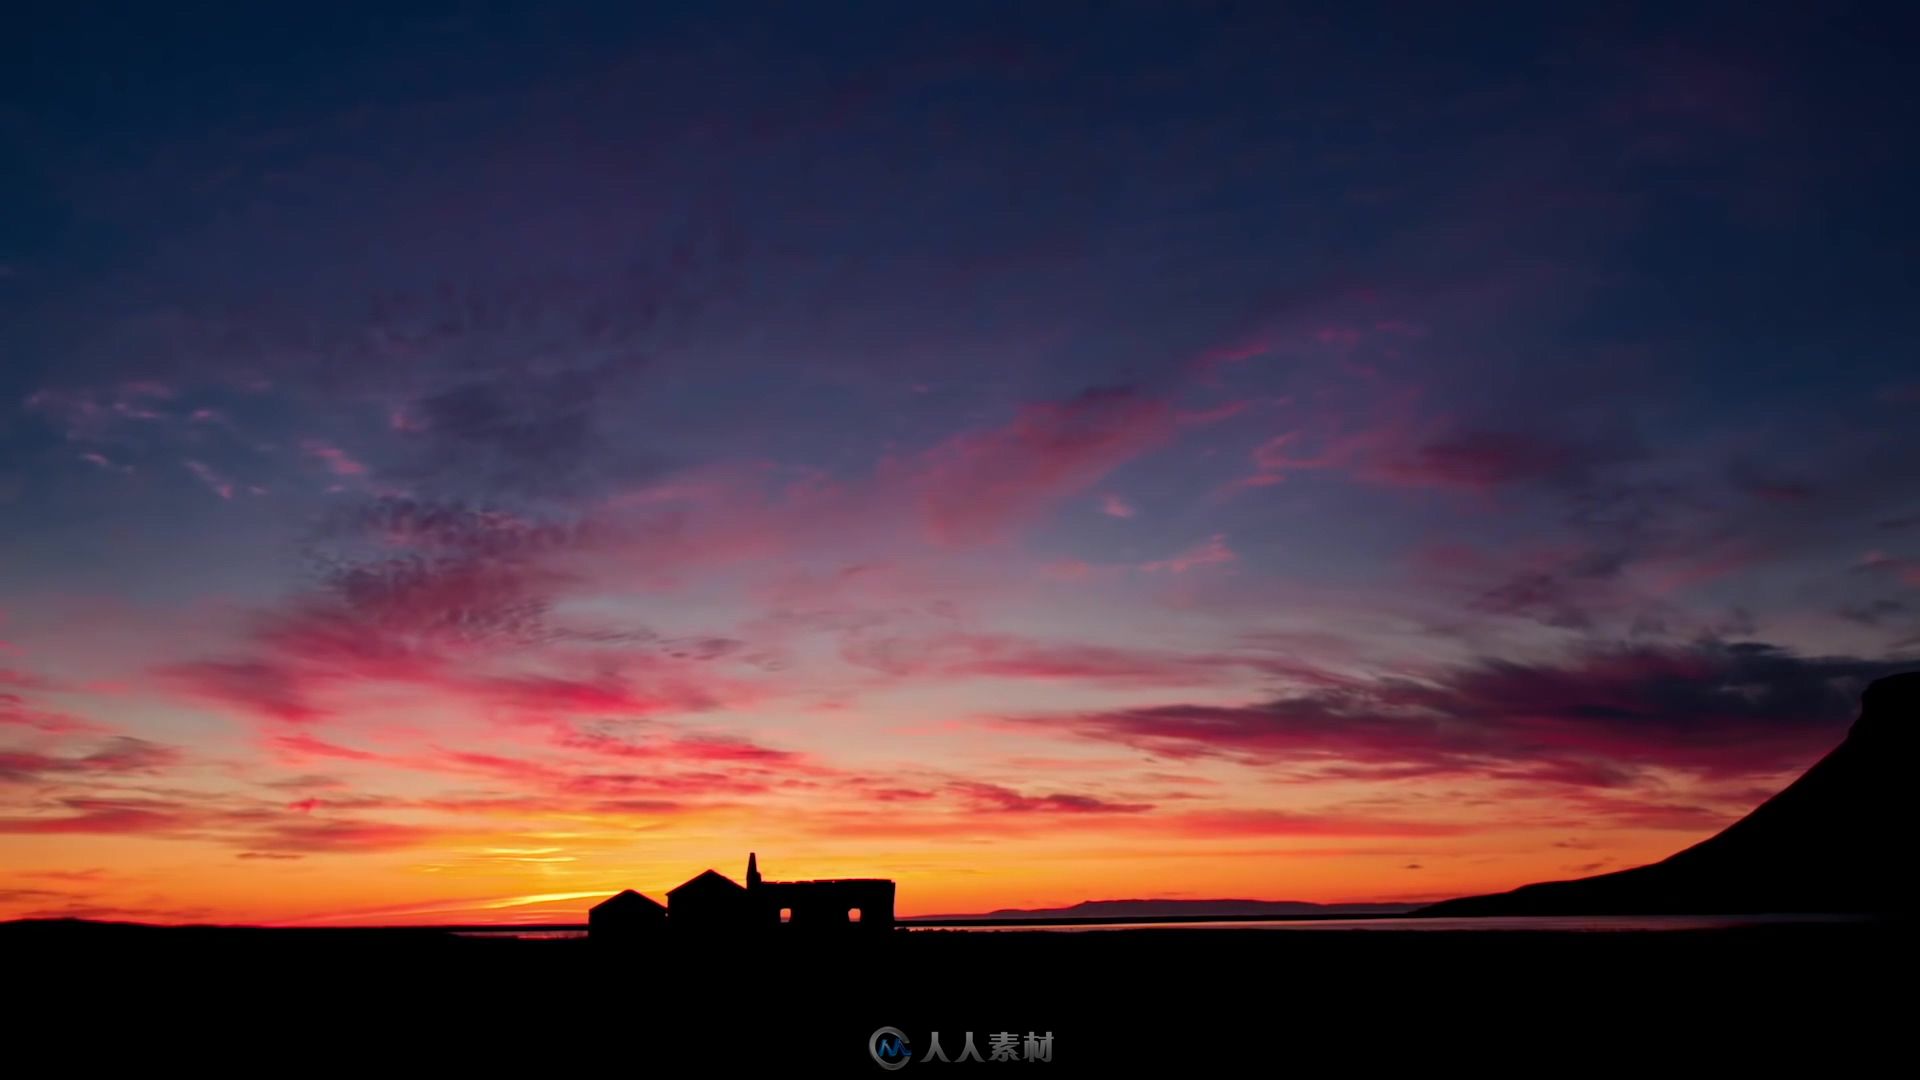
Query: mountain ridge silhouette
[(1831, 841)]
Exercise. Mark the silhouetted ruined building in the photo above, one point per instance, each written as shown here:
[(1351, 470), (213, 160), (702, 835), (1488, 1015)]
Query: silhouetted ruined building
[(712, 903), (821, 905)]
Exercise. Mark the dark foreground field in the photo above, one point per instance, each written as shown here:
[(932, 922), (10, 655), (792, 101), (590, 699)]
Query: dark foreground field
[(1832, 998)]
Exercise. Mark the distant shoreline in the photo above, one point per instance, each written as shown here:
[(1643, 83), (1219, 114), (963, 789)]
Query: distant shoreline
[(1118, 920), (1491, 922), (934, 922)]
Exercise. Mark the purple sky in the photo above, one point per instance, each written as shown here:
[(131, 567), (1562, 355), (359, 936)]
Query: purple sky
[(1371, 455)]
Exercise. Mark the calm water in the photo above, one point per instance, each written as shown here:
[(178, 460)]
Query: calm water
[(1555, 923)]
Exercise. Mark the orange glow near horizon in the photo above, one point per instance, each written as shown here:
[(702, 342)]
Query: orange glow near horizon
[(477, 859)]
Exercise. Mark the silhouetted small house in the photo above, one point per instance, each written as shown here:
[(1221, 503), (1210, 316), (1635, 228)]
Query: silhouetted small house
[(625, 915), (708, 902)]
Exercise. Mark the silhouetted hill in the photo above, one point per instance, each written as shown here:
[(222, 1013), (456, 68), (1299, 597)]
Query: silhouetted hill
[(1156, 909), (1834, 840)]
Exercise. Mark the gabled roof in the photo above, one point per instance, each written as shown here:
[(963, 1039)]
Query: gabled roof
[(628, 899), (707, 882)]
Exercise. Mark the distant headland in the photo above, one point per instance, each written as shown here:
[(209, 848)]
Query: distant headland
[(1835, 840)]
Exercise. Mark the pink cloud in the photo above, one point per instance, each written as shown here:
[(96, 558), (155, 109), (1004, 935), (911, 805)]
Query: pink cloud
[(1221, 356), (994, 798), (974, 487), (247, 825), (1231, 823), (1470, 460), (685, 748), (1906, 571), (604, 695), (262, 687), (122, 754), (1008, 656), (95, 415), (300, 747), (1211, 552), (1116, 507), (98, 816), (337, 461), (1393, 456), (346, 835), (101, 461), (1070, 570), (1389, 441), (1213, 415), (215, 482), (20, 706)]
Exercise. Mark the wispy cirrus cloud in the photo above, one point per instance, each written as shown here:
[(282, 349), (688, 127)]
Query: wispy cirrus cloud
[(963, 655), (22, 704), (258, 829), (1211, 552), (995, 798), (1401, 449)]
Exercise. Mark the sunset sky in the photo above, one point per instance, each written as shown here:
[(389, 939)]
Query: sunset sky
[(455, 467)]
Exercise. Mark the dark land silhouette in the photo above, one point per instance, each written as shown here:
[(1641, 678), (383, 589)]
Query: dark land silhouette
[(1164, 1001), (1835, 840)]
